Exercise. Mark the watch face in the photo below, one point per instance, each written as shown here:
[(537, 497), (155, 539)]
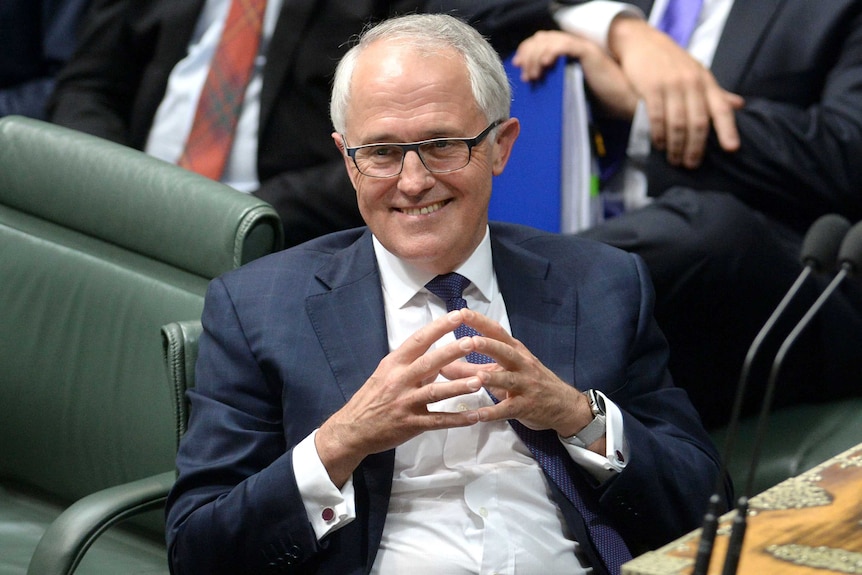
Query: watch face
[(597, 402)]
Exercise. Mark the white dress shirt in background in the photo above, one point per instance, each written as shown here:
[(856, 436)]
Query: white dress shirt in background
[(173, 120)]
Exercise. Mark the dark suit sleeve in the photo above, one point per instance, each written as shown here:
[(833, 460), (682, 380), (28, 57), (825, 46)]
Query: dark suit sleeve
[(28, 67), (663, 490), (235, 507), (801, 127), (97, 87), (27, 99)]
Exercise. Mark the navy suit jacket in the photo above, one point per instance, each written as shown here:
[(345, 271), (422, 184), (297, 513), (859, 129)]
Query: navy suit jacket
[(37, 37), (289, 338)]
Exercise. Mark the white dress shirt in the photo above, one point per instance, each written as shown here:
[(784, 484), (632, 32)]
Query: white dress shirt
[(173, 120), (466, 500), (592, 20)]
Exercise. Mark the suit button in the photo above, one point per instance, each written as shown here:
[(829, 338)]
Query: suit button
[(292, 555)]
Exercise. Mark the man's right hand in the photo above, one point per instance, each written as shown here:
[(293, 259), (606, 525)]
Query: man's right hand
[(683, 98), (392, 405)]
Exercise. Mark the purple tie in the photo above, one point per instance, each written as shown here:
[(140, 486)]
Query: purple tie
[(680, 19), (544, 445)]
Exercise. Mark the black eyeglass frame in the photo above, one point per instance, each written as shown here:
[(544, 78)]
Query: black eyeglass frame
[(414, 147)]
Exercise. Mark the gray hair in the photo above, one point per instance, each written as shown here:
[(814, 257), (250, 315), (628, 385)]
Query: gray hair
[(488, 79)]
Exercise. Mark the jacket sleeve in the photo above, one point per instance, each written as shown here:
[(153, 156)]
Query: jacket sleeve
[(663, 491), (96, 88), (506, 23), (235, 507)]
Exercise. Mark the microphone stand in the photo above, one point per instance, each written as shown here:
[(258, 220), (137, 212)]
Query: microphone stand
[(737, 534), (819, 250)]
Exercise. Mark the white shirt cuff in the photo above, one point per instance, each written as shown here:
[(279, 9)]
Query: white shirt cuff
[(616, 450), (592, 20), (327, 507)]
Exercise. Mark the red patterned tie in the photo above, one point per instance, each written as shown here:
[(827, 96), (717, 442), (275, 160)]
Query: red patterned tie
[(211, 137)]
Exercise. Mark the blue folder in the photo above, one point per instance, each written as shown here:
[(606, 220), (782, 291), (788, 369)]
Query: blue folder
[(528, 190)]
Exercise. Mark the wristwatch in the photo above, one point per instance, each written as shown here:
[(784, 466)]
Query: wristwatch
[(595, 429)]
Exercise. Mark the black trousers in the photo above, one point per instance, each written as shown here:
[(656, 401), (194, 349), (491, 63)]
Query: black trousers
[(719, 269)]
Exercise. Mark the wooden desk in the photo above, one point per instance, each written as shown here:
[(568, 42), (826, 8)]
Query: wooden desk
[(807, 525)]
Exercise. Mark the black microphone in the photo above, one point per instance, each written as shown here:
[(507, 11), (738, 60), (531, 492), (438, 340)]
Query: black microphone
[(818, 254), (849, 263)]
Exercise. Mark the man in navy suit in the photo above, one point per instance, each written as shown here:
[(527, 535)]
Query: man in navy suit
[(335, 426), (753, 131)]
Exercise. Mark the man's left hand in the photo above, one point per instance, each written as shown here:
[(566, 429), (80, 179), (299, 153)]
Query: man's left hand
[(528, 391)]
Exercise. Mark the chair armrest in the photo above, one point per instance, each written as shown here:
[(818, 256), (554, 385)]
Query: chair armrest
[(67, 539)]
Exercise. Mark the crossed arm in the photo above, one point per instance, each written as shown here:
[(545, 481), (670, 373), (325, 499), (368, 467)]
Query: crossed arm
[(682, 98)]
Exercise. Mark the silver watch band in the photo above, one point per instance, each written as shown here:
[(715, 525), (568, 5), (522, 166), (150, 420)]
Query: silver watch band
[(595, 429)]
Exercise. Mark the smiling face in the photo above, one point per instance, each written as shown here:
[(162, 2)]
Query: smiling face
[(402, 94)]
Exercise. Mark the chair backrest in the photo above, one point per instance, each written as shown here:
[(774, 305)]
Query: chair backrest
[(131, 200), (101, 245)]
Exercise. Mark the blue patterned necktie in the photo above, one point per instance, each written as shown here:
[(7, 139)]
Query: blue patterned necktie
[(450, 288), (680, 19), (544, 445)]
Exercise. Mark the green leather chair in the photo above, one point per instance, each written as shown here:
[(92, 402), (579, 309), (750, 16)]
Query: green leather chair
[(180, 353), (69, 537), (100, 246)]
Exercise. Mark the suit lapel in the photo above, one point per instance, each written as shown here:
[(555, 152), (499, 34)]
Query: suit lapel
[(177, 31), (541, 310), (745, 28), (348, 318)]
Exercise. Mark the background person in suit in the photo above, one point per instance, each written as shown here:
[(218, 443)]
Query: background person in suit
[(36, 39), (743, 139), (334, 427)]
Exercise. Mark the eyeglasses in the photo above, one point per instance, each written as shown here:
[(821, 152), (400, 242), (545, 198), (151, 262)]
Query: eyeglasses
[(438, 155)]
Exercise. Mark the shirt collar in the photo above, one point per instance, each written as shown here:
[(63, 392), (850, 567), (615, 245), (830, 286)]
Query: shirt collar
[(401, 281)]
